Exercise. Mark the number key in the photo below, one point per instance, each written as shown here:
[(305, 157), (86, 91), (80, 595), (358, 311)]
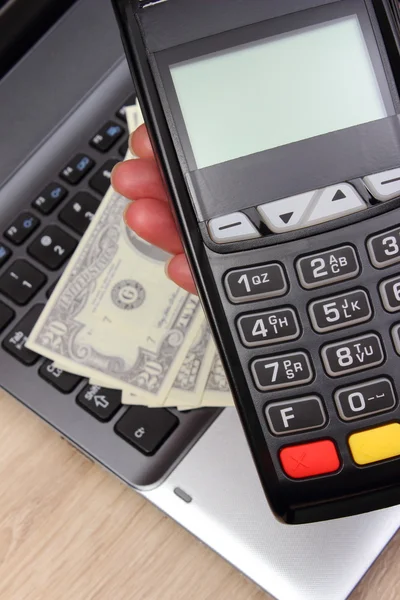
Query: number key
[(286, 370), (340, 311), (357, 354), (53, 247), (390, 294), (269, 327), (101, 180), (256, 283), (330, 266), (384, 249), (20, 282), (365, 399), (396, 337), (79, 212)]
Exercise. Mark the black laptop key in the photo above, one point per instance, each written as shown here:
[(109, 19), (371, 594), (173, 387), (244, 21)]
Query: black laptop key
[(21, 282), (101, 180), (79, 212), (121, 112), (62, 381), (50, 198), (6, 316), (124, 147), (101, 403), (52, 247), (5, 254), (107, 136), (77, 169), (14, 342), (146, 428), (23, 226)]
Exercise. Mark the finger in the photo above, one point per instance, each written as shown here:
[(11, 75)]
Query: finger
[(139, 178), (139, 143), (152, 220), (178, 270)]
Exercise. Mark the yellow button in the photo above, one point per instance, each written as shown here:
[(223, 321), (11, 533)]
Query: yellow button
[(376, 444)]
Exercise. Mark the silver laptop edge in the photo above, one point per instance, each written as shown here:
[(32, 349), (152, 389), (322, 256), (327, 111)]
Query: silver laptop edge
[(228, 511)]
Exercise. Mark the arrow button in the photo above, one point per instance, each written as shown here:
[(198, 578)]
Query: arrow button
[(336, 201), (286, 214), (100, 402)]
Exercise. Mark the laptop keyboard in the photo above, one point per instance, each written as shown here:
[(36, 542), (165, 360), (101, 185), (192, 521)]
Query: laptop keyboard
[(48, 230)]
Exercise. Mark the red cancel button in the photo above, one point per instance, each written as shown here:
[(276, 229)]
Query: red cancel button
[(309, 460)]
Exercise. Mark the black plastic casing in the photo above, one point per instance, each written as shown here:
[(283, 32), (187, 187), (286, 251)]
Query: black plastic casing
[(156, 34)]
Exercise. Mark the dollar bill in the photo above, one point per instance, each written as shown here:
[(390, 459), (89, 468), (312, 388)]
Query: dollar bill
[(190, 382), (114, 313), (192, 377), (115, 319), (217, 391)]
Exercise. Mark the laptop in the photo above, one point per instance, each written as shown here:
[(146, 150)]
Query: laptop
[(60, 98)]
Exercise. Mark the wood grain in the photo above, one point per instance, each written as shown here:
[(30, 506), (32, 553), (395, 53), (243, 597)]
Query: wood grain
[(68, 530)]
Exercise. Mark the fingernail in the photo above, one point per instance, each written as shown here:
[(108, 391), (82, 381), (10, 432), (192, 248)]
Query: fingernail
[(166, 267), (124, 215), (115, 168)]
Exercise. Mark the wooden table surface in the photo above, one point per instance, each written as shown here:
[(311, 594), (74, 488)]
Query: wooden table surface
[(70, 531)]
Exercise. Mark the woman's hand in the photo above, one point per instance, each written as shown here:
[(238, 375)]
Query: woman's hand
[(149, 214)]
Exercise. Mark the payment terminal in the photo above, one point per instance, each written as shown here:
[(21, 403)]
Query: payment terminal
[(276, 124)]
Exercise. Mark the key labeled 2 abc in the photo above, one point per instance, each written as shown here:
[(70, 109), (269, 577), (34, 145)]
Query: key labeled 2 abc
[(286, 370), (327, 267), (269, 327), (357, 354)]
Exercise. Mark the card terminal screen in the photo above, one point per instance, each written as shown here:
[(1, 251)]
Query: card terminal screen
[(277, 91)]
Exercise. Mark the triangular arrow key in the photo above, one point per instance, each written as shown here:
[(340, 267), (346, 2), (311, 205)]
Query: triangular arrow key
[(286, 217), (339, 196)]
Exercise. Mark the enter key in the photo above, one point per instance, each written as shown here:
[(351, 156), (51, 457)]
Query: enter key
[(375, 445)]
